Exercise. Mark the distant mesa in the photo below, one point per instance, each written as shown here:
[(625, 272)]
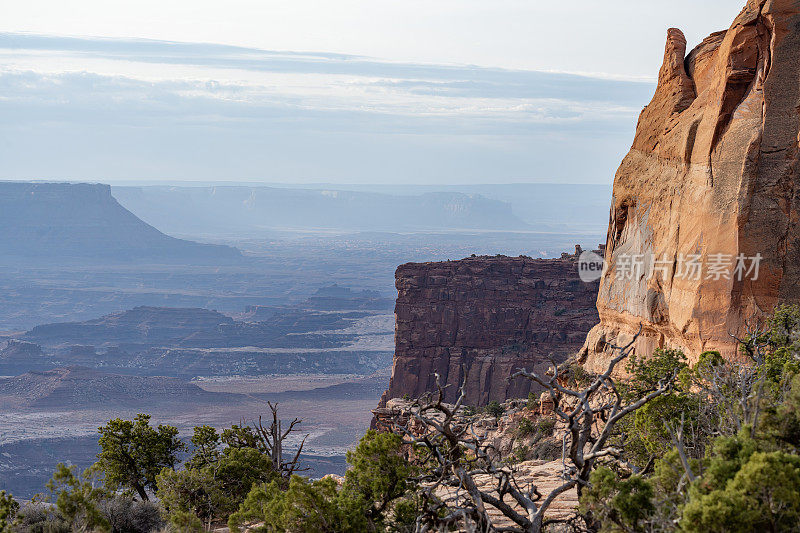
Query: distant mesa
[(19, 356), (237, 210), (14, 349), (150, 325), (337, 298), (331, 298), (194, 341), (78, 387), (81, 221)]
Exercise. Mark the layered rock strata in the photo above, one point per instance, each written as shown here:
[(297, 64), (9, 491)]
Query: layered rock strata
[(486, 317), (703, 232)]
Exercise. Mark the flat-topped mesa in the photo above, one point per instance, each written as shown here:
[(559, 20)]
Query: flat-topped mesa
[(488, 317), (711, 181)]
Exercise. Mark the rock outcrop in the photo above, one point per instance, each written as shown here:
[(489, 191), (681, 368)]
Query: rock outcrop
[(19, 356), (711, 180), (488, 317)]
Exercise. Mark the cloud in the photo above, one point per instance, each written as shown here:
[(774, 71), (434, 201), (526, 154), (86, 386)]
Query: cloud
[(91, 108)]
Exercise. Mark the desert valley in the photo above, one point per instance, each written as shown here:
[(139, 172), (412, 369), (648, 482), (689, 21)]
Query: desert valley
[(105, 316), (435, 344)]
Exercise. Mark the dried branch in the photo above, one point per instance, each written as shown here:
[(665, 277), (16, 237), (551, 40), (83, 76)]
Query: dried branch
[(448, 445)]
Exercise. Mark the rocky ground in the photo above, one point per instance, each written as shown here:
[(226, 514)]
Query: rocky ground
[(526, 437)]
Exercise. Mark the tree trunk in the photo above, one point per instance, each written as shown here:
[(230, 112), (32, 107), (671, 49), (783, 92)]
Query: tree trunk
[(142, 493)]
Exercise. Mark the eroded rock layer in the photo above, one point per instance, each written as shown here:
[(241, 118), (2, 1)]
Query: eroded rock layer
[(711, 179), (488, 317)]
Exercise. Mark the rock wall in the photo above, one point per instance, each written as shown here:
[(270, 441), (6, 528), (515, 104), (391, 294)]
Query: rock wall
[(711, 178), (488, 317)]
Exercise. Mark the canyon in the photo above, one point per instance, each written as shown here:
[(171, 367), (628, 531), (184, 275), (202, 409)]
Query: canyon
[(189, 342), (481, 319), (706, 203)]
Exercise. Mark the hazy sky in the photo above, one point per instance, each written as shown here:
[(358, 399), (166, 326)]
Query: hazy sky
[(339, 91)]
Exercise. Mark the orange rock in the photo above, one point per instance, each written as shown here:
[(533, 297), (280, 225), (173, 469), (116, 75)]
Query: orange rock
[(712, 170), (546, 404)]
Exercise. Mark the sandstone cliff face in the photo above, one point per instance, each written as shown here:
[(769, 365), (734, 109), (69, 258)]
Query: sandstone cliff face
[(488, 316), (713, 170)]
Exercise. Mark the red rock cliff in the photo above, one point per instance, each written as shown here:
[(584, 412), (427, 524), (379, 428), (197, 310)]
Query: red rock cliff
[(489, 316), (712, 174)]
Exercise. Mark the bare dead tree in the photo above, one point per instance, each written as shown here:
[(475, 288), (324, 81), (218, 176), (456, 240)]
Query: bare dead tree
[(268, 440), (676, 435), (455, 456), (272, 439), (751, 381)]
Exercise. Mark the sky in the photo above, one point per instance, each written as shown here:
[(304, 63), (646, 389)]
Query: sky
[(343, 91)]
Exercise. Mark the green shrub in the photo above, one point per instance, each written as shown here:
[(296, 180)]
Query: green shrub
[(379, 474), (8, 510), (533, 402), (619, 504), (217, 489), (377, 495), (546, 425), (77, 498), (763, 495), (185, 522), (133, 453), (304, 506), (577, 376), (495, 409), (526, 428), (521, 453)]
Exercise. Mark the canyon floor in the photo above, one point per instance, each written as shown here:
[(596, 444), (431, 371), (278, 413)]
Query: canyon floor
[(335, 410)]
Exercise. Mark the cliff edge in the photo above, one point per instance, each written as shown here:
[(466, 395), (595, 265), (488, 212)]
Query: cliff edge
[(488, 317), (703, 231)]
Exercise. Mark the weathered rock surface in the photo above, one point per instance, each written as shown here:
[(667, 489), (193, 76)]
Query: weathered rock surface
[(488, 317), (713, 170)]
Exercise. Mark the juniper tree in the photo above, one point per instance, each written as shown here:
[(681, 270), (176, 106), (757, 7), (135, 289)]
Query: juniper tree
[(133, 453)]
